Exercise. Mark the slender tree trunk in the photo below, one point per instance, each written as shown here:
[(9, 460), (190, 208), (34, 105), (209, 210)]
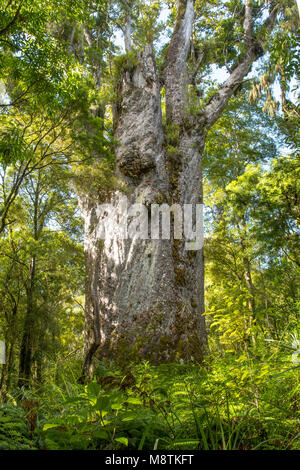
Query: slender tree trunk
[(26, 352), (248, 282), (266, 303), (127, 34), (10, 342), (27, 338), (251, 298)]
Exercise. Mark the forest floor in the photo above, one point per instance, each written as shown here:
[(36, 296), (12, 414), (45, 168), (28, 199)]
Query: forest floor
[(246, 401)]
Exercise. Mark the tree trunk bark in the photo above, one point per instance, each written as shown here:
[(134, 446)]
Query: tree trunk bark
[(145, 298)]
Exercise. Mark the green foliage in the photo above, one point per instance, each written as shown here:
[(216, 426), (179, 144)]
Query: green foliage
[(231, 321), (148, 27), (228, 403), (98, 180), (252, 243), (124, 63), (14, 433), (194, 102), (94, 419), (12, 146)]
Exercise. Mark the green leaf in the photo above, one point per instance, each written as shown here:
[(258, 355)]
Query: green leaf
[(122, 440), (50, 426)]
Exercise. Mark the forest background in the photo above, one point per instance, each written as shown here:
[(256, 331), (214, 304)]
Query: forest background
[(59, 66)]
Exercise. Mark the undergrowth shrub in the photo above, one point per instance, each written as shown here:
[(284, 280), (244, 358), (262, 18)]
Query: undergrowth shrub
[(14, 433), (228, 402)]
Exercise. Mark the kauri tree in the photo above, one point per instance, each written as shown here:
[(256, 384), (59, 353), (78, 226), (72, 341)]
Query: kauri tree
[(145, 298)]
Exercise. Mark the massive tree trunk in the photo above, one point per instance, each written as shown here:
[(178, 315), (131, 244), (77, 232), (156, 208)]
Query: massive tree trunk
[(145, 298)]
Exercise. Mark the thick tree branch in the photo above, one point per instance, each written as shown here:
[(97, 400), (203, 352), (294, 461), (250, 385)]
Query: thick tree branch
[(127, 34), (127, 28), (175, 71), (13, 21), (253, 49), (248, 24)]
